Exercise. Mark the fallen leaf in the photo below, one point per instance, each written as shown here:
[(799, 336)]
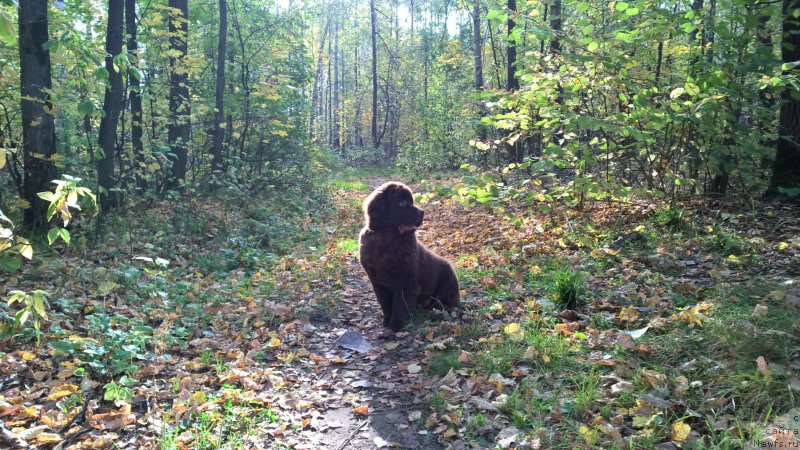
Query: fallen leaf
[(64, 390), (590, 436), (362, 410), (680, 431), (628, 314), (413, 368)]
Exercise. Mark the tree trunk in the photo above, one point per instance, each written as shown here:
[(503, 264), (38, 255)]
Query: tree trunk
[(477, 52), (317, 81), (374, 34), (336, 140), (179, 102), (786, 168), (112, 106), (135, 96), (511, 49), (38, 125), (555, 25), (219, 112)]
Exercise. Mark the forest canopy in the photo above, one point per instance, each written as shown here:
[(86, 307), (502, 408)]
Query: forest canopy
[(145, 97)]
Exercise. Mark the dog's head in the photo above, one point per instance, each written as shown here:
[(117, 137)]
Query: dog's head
[(391, 207)]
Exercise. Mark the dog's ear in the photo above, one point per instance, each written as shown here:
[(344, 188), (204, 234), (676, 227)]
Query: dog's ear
[(375, 209)]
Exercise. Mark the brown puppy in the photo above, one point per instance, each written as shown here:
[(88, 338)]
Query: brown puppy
[(404, 274)]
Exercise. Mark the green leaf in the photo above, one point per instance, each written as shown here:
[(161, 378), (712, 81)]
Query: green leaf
[(692, 89), (2, 157), (9, 263), (588, 29), (582, 7), (592, 46), (632, 11), (86, 108), (621, 6), (64, 235), (677, 92), (8, 33), (64, 346), (52, 235), (46, 196)]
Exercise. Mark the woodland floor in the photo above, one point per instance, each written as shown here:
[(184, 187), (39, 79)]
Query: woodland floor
[(687, 336)]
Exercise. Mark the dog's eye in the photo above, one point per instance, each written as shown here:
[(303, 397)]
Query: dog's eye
[(403, 204)]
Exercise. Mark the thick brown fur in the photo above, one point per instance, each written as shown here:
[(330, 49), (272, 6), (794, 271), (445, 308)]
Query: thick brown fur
[(404, 274)]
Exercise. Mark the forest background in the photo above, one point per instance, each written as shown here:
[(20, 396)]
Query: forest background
[(156, 114)]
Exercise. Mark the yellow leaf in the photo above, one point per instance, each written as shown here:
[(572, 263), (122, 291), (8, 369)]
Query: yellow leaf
[(680, 431), (511, 328), (629, 314), (536, 270), (65, 390), (198, 398), (597, 253), (781, 246), (28, 356), (514, 331), (2, 157), (273, 343), (26, 250), (590, 436)]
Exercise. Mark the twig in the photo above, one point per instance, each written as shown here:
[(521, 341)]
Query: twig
[(352, 435)]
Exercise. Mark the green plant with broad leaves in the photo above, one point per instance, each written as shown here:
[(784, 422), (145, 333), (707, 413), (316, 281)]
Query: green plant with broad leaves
[(34, 307), (63, 200)]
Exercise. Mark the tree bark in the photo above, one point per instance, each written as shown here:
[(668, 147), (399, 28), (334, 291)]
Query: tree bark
[(555, 25), (317, 80), (135, 96), (180, 107), (38, 125), (511, 49), (374, 34), (786, 168), (112, 107), (477, 52), (336, 140), (219, 110)]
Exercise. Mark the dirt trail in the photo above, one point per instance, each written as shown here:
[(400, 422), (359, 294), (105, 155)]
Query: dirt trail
[(378, 379)]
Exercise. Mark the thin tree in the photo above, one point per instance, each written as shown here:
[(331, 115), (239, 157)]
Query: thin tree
[(135, 96), (511, 48), (112, 107), (38, 126), (786, 168), (180, 111), (219, 113), (336, 140), (477, 53), (315, 94), (374, 34)]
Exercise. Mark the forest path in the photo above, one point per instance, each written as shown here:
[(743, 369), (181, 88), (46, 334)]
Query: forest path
[(370, 396)]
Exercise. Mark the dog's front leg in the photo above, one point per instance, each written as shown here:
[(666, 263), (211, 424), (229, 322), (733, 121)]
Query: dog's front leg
[(385, 300), (404, 300)]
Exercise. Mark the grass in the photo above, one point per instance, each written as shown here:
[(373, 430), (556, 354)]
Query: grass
[(569, 288)]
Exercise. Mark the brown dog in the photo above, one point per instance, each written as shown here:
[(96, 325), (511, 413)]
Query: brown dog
[(404, 274)]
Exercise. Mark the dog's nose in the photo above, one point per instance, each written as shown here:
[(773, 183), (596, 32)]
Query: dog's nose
[(421, 214)]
